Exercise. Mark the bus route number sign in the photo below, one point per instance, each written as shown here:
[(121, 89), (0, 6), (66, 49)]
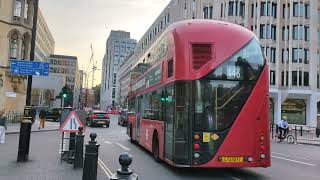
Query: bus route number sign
[(206, 137)]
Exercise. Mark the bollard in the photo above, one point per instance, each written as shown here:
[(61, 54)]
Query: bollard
[(295, 133), (91, 159), (24, 137), (124, 173), (300, 130), (78, 157), (272, 131)]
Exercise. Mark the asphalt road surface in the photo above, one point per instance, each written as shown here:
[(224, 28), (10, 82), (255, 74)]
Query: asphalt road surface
[(289, 162)]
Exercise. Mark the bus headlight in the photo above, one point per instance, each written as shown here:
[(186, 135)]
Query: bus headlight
[(262, 156), (249, 159)]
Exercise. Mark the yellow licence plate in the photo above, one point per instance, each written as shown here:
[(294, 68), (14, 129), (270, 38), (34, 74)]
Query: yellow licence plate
[(232, 159)]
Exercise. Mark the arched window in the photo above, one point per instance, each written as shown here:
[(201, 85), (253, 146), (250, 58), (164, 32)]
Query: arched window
[(17, 8), (14, 45), (24, 48), (26, 9)]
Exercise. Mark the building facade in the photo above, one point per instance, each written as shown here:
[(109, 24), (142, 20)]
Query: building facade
[(67, 67), (15, 36), (118, 46), (45, 44), (289, 33)]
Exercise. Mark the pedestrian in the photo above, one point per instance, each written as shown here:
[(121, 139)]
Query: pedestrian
[(3, 126), (42, 117), (33, 114)]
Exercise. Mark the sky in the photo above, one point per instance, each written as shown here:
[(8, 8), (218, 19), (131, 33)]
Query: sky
[(75, 24)]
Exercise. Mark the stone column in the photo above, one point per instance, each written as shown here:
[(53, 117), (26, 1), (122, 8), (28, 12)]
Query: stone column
[(311, 110)]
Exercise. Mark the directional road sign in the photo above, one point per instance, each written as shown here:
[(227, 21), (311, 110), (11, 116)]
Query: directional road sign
[(26, 67), (71, 123)]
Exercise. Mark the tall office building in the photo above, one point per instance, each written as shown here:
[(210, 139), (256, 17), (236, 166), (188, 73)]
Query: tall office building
[(289, 33), (118, 46)]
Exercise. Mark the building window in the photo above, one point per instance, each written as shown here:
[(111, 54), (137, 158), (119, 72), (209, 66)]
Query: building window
[(268, 9), (236, 11), (273, 55), (242, 6), (268, 31), (284, 79), (295, 111), (272, 77), (205, 12), (263, 9), (262, 31), (306, 56), (17, 8), (26, 9), (113, 93), (306, 78), (267, 52), (252, 10), (294, 78), (318, 83), (221, 14), (307, 11), (230, 11), (285, 33), (298, 32), (306, 33), (298, 9), (274, 32), (274, 10), (211, 12), (285, 55), (14, 45)]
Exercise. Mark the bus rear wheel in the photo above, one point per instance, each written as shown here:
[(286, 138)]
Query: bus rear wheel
[(155, 148)]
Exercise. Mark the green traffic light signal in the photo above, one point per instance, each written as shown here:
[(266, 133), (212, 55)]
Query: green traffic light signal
[(64, 95)]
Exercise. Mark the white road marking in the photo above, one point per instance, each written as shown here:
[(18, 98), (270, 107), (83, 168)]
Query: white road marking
[(108, 142), (120, 145), (282, 154), (123, 147), (300, 162), (104, 168), (235, 178)]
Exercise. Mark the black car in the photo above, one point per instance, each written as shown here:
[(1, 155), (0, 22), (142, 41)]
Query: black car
[(123, 118), (98, 118), (54, 113)]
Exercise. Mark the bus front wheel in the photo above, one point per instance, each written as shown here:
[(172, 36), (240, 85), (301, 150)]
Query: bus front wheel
[(155, 148)]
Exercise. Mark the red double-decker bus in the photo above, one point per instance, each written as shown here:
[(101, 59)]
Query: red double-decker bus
[(200, 97)]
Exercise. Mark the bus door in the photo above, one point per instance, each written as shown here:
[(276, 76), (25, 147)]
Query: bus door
[(169, 118), (139, 115)]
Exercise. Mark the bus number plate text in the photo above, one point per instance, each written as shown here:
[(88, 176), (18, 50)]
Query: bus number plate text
[(232, 159)]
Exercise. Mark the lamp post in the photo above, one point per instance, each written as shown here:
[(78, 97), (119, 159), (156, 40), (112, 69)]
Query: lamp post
[(25, 127)]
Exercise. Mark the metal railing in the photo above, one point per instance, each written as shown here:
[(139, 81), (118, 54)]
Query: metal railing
[(300, 133), (14, 117)]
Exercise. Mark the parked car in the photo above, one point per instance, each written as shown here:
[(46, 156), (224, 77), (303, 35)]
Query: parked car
[(98, 118), (123, 118), (54, 113)]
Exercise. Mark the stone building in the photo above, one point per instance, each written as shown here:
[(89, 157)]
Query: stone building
[(15, 35)]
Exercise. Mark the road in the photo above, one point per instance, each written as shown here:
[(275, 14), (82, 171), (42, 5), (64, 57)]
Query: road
[(288, 161)]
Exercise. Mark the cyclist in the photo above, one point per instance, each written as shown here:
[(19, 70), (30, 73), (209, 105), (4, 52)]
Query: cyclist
[(283, 128)]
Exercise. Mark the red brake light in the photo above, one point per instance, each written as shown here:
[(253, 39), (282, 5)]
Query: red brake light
[(196, 147), (94, 116)]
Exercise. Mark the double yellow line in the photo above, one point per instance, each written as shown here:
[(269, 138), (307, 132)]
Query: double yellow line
[(104, 168)]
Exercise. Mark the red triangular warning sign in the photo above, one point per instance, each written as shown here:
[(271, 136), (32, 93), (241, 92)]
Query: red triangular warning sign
[(71, 123)]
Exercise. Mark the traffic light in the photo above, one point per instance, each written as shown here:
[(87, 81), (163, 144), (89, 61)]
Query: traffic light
[(65, 92)]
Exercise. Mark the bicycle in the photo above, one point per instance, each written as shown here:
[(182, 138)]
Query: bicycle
[(288, 137)]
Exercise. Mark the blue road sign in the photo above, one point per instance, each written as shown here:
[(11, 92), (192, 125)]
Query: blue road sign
[(26, 67)]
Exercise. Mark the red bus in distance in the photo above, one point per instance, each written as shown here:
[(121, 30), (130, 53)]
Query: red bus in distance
[(199, 97)]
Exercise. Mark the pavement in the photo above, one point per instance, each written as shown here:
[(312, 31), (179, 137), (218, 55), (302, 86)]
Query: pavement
[(49, 126), (289, 161), (44, 160)]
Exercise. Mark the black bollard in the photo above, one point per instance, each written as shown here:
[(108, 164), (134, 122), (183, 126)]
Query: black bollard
[(124, 173), (24, 138), (78, 157), (91, 159)]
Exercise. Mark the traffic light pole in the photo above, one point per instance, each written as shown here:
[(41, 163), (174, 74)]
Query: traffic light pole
[(25, 127)]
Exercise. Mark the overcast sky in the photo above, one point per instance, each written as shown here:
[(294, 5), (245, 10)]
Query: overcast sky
[(75, 24)]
